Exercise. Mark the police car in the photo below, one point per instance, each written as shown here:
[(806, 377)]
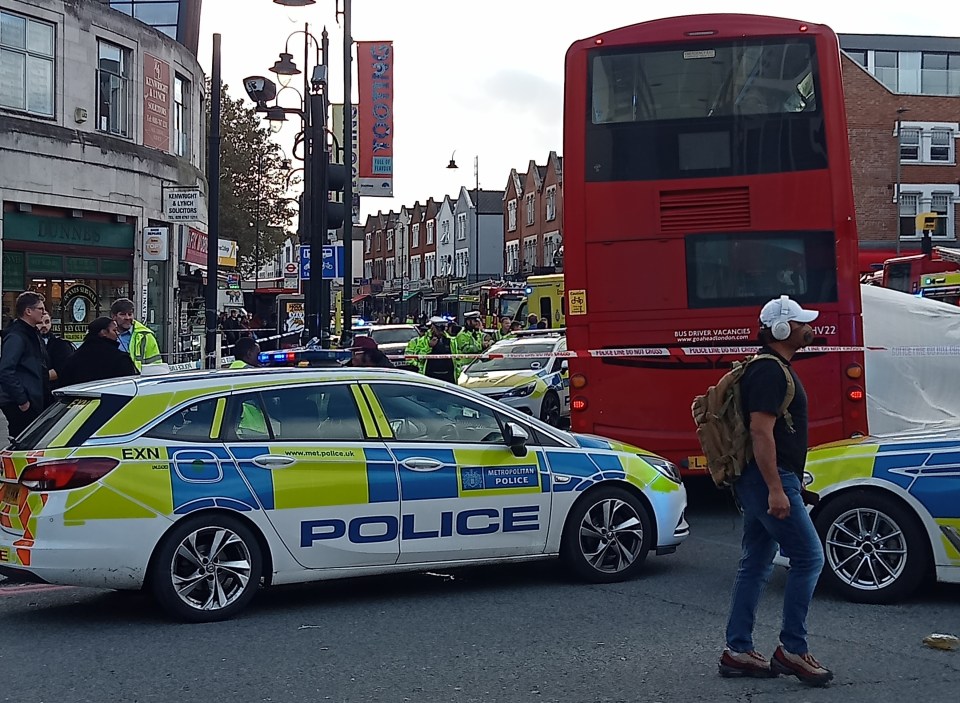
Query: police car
[(203, 486), (889, 513), (526, 377)]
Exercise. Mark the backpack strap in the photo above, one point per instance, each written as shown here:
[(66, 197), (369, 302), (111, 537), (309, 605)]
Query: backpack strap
[(791, 389)]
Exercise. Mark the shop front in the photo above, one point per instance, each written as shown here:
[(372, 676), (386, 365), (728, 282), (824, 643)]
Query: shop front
[(81, 265)]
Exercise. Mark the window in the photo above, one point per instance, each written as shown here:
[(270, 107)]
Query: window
[(445, 232), (552, 203), (192, 423), (26, 64), (940, 204), (389, 240), (415, 236), (52, 422), (941, 145), (858, 55), (512, 215), (512, 263), (415, 268), (528, 207), (462, 226), (181, 116), (738, 270), (367, 241), (419, 413), (159, 14), (321, 413), (529, 253), (113, 89), (909, 203), (909, 144), (753, 77), (379, 240), (430, 227), (885, 68)]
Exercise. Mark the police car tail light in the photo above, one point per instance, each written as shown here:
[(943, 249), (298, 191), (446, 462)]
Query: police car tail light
[(67, 473)]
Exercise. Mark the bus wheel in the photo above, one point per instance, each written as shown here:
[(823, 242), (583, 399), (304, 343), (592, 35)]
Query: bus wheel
[(607, 536), (550, 409)]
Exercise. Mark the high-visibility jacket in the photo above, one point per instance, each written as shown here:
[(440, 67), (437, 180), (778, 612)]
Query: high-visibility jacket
[(418, 345), (143, 346)]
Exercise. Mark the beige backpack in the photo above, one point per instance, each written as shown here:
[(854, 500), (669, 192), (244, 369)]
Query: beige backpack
[(721, 429)]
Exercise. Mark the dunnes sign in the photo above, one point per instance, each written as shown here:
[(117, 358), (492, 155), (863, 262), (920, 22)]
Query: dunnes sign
[(67, 231), (181, 204)]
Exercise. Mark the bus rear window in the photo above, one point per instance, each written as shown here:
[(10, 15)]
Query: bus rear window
[(701, 80), (737, 270), (50, 430)]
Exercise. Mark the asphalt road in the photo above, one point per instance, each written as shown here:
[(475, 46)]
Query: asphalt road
[(518, 633)]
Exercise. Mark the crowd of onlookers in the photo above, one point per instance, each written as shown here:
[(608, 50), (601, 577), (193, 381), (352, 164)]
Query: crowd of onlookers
[(34, 360)]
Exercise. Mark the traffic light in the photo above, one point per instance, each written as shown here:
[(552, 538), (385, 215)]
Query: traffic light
[(336, 179)]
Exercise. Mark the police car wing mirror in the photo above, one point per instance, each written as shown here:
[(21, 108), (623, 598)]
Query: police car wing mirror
[(516, 438)]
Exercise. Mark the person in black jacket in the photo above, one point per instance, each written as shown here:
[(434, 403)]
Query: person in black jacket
[(59, 350), (24, 383), (99, 357)]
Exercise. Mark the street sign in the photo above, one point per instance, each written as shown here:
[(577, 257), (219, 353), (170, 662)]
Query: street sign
[(181, 203), (304, 262), (332, 262)]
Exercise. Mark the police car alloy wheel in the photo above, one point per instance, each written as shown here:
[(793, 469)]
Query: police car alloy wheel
[(875, 549), (550, 409), (607, 536), (206, 568)]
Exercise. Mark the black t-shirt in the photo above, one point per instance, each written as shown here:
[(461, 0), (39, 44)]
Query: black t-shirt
[(762, 390)]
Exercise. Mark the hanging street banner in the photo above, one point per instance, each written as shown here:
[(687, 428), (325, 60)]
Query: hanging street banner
[(375, 73)]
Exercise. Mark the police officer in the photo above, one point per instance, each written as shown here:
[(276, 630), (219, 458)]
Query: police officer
[(441, 344), (246, 354), (504, 330), (417, 346)]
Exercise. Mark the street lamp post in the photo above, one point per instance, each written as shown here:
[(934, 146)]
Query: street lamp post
[(476, 211)]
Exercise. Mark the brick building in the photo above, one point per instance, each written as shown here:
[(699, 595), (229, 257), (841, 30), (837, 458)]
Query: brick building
[(913, 82), (533, 217)]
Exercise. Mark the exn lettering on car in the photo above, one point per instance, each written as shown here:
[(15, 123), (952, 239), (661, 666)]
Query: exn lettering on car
[(466, 523)]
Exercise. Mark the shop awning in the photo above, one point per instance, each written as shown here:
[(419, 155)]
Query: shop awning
[(407, 296), (358, 298)]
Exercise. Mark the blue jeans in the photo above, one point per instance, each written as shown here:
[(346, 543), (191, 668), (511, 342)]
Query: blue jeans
[(762, 533)]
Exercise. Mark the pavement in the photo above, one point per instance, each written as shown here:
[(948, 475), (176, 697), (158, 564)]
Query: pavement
[(516, 633)]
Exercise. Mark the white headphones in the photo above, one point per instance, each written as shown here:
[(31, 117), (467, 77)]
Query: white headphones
[(780, 329)]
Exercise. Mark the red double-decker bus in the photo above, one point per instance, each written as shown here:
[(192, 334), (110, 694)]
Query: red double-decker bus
[(706, 171)]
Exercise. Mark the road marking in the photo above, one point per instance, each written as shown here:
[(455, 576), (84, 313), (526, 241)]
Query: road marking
[(6, 591)]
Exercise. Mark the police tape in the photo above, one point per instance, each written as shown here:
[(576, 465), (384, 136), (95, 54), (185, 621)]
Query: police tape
[(626, 352)]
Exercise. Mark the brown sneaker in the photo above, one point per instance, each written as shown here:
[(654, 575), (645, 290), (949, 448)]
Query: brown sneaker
[(803, 666), (740, 664)]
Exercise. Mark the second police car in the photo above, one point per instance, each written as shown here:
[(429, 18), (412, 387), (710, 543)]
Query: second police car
[(201, 487), (527, 377)]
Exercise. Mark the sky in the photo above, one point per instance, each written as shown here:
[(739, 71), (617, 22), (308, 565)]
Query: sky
[(483, 78)]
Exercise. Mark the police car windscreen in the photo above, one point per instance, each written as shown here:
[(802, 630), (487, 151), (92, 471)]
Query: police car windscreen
[(526, 363)]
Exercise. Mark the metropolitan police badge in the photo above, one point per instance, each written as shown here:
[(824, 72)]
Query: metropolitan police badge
[(472, 479)]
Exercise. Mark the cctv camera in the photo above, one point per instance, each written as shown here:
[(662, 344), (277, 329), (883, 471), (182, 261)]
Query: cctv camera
[(318, 78), (261, 90)]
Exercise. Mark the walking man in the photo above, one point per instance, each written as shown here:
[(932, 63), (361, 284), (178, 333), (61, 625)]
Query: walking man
[(136, 338), (24, 382), (769, 492)]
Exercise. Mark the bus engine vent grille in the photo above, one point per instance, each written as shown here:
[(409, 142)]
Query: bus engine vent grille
[(704, 210)]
